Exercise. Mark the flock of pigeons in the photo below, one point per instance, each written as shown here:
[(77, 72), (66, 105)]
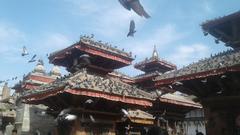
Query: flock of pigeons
[(136, 6), (23, 54)]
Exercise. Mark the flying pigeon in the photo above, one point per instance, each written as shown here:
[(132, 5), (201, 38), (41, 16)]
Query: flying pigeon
[(32, 59), (223, 76), (162, 119), (178, 83), (204, 80), (131, 29), (89, 101), (92, 118), (65, 115), (134, 5), (64, 111), (70, 117), (125, 112), (164, 113), (24, 51)]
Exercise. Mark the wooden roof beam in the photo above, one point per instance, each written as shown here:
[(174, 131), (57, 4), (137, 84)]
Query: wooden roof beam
[(224, 35), (235, 30)]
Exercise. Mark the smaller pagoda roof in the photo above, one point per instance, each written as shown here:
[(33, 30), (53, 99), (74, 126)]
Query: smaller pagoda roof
[(179, 100), (176, 99), (121, 76), (87, 84), (146, 76), (227, 61), (155, 63), (225, 29), (102, 54), (141, 117), (34, 80)]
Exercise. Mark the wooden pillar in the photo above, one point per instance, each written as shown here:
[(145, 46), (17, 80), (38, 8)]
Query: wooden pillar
[(77, 129), (220, 121)]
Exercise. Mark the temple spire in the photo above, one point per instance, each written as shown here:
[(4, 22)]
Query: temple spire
[(5, 91), (155, 53)]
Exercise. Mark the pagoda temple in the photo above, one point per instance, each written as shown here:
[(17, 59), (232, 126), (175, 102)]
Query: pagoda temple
[(214, 80), (93, 100), (169, 107), (153, 67), (33, 118), (7, 112), (225, 29)]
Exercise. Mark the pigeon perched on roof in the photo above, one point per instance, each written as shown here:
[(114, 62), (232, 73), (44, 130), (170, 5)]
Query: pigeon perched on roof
[(24, 51), (33, 58), (134, 5), (131, 29)]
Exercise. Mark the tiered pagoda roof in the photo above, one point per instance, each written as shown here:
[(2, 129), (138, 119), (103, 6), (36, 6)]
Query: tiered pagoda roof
[(37, 78), (225, 29), (123, 77), (155, 63), (87, 84), (216, 75), (111, 89), (179, 100), (153, 67), (228, 61), (174, 105), (102, 55)]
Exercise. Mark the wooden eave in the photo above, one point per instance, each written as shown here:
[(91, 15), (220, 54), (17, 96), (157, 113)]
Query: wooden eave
[(212, 23), (162, 82), (91, 50), (39, 97), (160, 63)]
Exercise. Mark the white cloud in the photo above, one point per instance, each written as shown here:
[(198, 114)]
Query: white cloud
[(115, 21), (85, 8), (206, 5), (162, 37), (11, 42), (185, 54), (108, 19), (52, 42), (8, 33)]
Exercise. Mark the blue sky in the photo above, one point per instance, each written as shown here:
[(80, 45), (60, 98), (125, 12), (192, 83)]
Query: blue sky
[(44, 26)]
